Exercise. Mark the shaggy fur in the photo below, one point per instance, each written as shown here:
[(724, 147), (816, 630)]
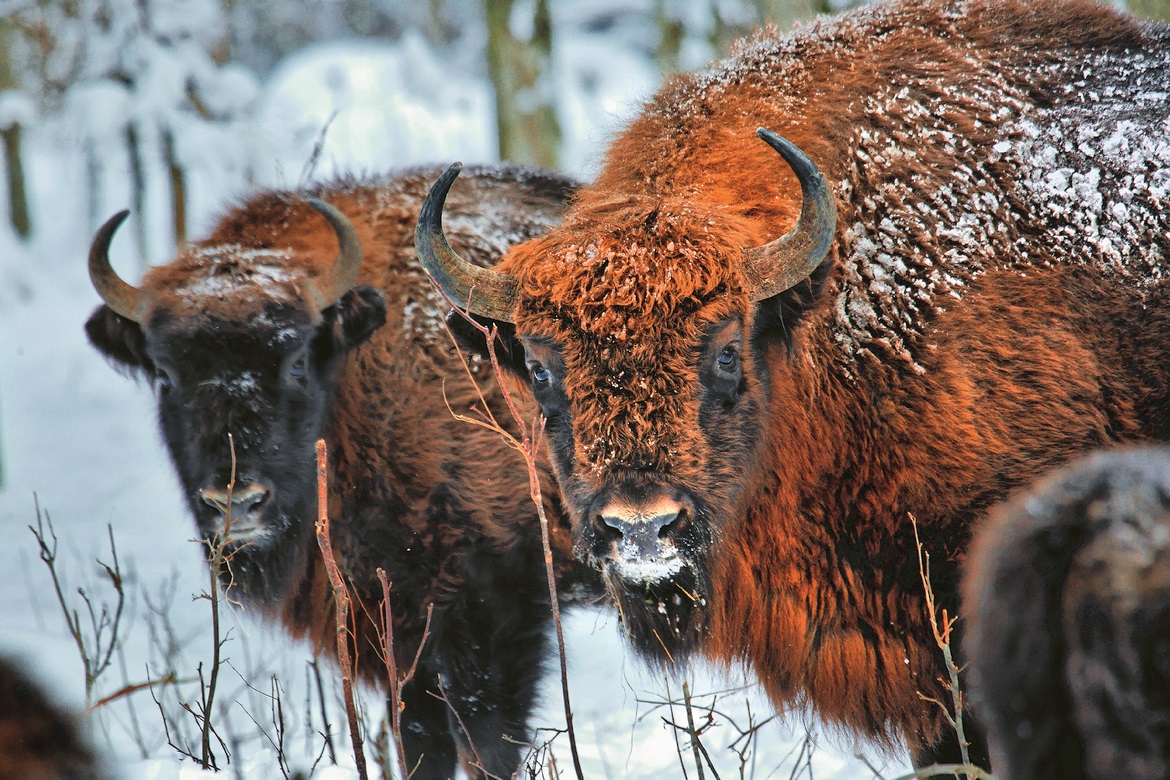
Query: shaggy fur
[(1068, 599), (443, 506), (993, 305), (39, 740)]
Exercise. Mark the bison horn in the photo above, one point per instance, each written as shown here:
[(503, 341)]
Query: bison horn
[(778, 265), (343, 274), (494, 292), (123, 298)]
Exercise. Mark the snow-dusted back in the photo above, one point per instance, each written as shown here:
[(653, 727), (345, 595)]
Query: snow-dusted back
[(1100, 168), (1087, 182)]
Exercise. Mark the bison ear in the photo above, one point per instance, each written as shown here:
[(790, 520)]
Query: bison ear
[(119, 339), (509, 350), (359, 313), (777, 317)]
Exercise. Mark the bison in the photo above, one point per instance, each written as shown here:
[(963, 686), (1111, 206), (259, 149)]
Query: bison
[(38, 739), (295, 319), (758, 376), (1068, 594)]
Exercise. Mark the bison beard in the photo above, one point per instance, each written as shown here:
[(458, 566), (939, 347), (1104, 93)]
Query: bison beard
[(1067, 594), (270, 334), (987, 301)]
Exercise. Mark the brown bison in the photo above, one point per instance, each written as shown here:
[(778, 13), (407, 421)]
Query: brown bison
[(756, 371), (1068, 595), (38, 739), (285, 325)]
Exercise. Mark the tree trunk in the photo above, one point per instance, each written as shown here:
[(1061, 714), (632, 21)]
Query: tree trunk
[(138, 192), (18, 211), (784, 13), (519, 65), (671, 31), (178, 189), (1150, 9)]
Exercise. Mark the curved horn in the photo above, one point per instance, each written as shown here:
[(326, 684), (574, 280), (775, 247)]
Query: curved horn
[(123, 298), (494, 292), (343, 274), (778, 265)]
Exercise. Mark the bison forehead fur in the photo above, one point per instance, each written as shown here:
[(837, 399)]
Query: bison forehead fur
[(992, 305), (236, 349), (1067, 592)]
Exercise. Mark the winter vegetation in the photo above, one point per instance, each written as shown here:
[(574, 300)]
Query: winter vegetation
[(175, 109)]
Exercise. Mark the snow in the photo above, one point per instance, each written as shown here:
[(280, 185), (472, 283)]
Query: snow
[(81, 440)]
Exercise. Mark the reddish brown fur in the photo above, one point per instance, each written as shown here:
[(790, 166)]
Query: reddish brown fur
[(1028, 352)]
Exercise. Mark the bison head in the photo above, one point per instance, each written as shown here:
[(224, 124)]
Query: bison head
[(241, 344), (641, 325)]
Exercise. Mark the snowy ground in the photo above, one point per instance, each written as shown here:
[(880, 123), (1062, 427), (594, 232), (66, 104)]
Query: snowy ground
[(82, 441)]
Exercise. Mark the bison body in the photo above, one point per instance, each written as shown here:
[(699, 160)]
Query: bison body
[(38, 739), (258, 345), (748, 411), (1067, 594)]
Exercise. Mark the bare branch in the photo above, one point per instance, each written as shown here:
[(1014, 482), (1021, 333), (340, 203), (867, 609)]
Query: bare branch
[(341, 608)]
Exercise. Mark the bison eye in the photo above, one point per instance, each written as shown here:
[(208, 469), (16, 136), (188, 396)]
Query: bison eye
[(163, 382), (540, 374), (728, 360), (297, 369)]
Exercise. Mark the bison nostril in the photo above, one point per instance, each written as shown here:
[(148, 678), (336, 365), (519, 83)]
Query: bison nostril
[(609, 528), (674, 526)]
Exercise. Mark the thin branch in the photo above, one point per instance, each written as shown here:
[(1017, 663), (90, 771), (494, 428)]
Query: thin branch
[(392, 671), (942, 637), (129, 689), (341, 599), (328, 734)]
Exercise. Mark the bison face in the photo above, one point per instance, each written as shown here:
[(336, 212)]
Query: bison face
[(242, 346), (651, 439), (654, 437), (241, 403), (642, 324)]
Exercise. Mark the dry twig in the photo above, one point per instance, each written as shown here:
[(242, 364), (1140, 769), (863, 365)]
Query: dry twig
[(942, 636), (341, 609)]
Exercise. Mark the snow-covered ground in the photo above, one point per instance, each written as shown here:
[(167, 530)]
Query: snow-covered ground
[(81, 441)]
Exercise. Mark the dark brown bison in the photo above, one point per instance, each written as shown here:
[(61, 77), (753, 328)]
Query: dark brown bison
[(1068, 598), (285, 325), (38, 739), (756, 369)]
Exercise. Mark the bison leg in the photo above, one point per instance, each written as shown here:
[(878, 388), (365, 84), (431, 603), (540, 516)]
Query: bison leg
[(426, 736), (492, 645)]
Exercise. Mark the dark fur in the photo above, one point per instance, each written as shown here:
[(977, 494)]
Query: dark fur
[(441, 505), (38, 739), (993, 304), (1067, 595)]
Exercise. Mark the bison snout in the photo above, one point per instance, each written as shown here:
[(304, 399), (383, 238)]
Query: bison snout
[(239, 507), (643, 531)]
